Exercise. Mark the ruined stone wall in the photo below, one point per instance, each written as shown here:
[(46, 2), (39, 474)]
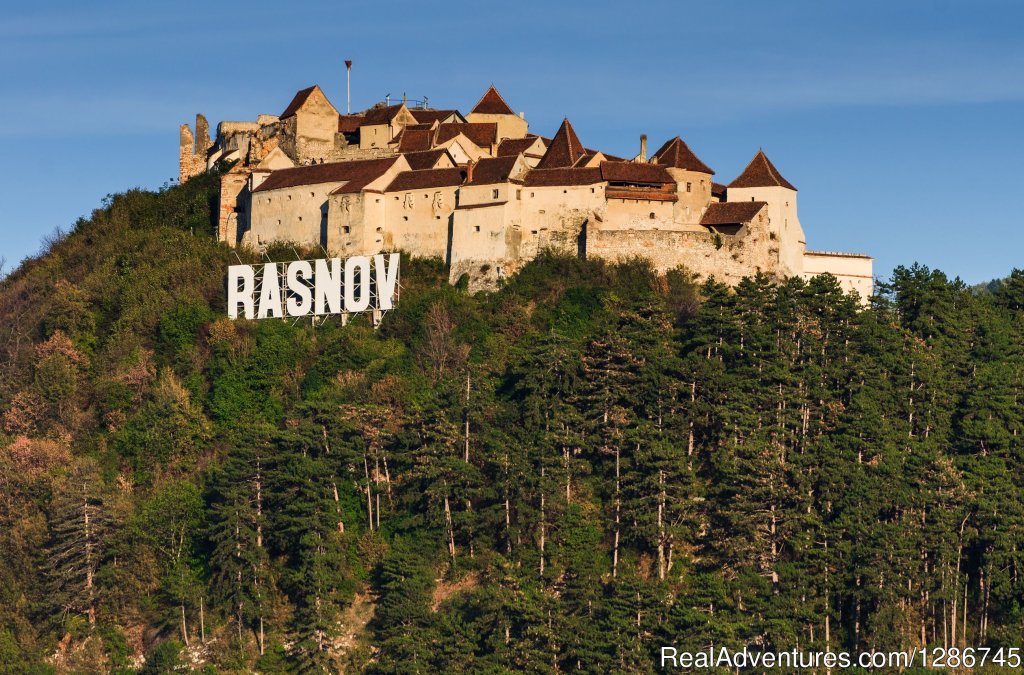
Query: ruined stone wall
[(728, 258), (193, 149), (233, 214)]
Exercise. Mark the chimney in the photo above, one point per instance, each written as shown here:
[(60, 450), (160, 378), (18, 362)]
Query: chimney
[(643, 147), (469, 171)]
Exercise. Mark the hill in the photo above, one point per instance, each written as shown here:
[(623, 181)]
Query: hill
[(568, 473)]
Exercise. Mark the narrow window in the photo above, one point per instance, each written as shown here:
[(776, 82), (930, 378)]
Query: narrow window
[(688, 186), (476, 228), (652, 215), (494, 194), (346, 229), (592, 190), (519, 194)]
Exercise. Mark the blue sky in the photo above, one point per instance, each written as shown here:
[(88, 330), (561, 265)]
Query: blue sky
[(900, 122)]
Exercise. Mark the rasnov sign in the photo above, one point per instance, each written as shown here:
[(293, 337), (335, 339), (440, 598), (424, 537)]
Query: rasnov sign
[(313, 288)]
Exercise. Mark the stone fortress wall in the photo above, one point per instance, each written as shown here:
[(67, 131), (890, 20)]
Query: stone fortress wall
[(486, 195)]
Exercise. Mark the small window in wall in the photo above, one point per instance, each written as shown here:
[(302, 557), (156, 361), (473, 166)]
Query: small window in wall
[(531, 194), (593, 190), (541, 211), (565, 192), (396, 198), (476, 228), (494, 194), (279, 222), (403, 218), (312, 194), (379, 229), (437, 217), (787, 203), (519, 194), (300, 219), (289, 197), (689, 186), (652, 215), (533, 231), (346, 229), (751, 199), (377, 200)]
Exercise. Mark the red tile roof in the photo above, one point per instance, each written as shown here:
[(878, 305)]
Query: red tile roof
[(761, 173), (381, 115), (349, 124), (493, 170), (297, 101), (424, 160), (564, 150), (717, 189), (677, 154), (414, 140), (514, 146), (491, 103), (427, 178), (731, 213), (563, 176), (335, 172), (430, 116), (635, 172), (483, 134)]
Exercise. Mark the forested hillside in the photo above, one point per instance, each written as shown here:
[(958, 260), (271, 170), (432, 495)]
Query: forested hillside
[(563, 475)]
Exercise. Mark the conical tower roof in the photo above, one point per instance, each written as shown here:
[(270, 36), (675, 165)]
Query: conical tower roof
[(761, 173), (677, 154), (564, 150)]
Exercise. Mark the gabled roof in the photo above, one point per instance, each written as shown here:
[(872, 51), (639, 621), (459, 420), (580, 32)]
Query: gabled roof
[(298, 100), (635, 173), (334, 172), (493, 170), (562, 176), (430, 116), (491, 103), (563, 150), (482, 134), (761, 173), (514, 146), (731, 213), (677, 154), (426, 178), (382, 114), (424, 160), (717, 189)]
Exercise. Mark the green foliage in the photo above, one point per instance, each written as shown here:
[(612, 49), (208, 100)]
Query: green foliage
[(561, 475)]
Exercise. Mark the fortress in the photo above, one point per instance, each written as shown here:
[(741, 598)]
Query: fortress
[(483, 193)]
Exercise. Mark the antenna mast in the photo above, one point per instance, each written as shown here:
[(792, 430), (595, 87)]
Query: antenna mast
[(348, 87)]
